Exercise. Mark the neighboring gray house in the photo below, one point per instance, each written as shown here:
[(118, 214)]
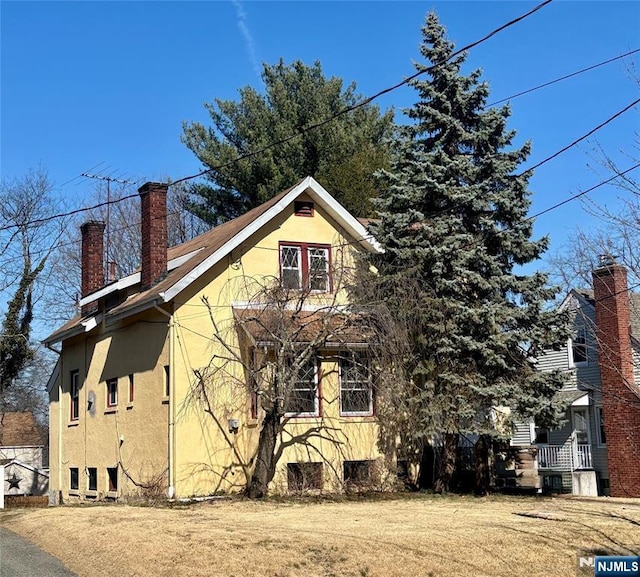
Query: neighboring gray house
[(573, 458), (21, 453), (597, 450)]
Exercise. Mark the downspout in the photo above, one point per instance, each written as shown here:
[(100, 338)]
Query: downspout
[(59, 440), (171, 449)]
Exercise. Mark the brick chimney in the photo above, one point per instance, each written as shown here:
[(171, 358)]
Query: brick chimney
[(153, 197), (620, 398), (92, 276)]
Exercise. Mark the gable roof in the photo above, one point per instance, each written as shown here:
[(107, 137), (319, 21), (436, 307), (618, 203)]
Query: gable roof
[(19, 430), (194, 258)]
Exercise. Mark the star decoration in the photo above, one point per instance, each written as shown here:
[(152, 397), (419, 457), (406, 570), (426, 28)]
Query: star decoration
[(14, 482)]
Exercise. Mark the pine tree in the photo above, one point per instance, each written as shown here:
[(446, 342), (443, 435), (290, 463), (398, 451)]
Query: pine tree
[(453, 223), (342, 154)]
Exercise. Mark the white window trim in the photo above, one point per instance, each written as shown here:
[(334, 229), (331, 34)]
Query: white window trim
[(298, 248), (572, 363), (588, 419), (367, 413)]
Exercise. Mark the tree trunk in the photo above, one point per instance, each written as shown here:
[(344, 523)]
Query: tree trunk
[(447, 462), (427, 467), (265, 468), (484, 465)]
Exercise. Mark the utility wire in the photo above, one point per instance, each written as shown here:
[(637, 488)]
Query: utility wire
[(559, 152), (363, 102), (562, 78), (307, 128), (571, 198)]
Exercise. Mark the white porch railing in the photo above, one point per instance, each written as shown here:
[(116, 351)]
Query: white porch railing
[(567, 457)]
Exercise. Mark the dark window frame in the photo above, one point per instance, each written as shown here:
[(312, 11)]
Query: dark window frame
[(74, 395), (92, 478), (112, 479), (112, 393), (74, 478), (303, 476)]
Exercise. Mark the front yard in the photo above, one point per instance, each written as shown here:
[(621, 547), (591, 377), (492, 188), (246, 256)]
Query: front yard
[(416, 536)]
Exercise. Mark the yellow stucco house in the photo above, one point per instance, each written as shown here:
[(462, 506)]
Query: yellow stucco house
[(139, 401)]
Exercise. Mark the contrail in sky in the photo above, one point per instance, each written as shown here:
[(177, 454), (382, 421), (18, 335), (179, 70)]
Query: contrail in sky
[(242, 24)]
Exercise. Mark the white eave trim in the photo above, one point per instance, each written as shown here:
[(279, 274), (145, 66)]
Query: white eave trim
[(83, 326), (120, 284), (318, 194), (134, 279), (582, 401)]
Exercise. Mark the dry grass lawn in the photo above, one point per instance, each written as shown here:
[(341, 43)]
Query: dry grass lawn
[(417, 536)]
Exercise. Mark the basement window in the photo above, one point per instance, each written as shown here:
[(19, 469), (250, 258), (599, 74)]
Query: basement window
[(92, 473), (73, 478), (304, 476), (112, 478), (356, 472)]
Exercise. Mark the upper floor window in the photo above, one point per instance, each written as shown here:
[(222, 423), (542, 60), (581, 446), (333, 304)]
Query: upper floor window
[(303, 396), (356, 391), (75, 395), (305, 266), (579, 347)]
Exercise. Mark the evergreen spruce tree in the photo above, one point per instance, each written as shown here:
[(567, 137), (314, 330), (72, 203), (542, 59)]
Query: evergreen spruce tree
[(453, 223)]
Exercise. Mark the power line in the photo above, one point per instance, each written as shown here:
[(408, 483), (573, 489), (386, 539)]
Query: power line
[(562, 78), (303, 131), (363, 102), (571, 198), (578, 140)]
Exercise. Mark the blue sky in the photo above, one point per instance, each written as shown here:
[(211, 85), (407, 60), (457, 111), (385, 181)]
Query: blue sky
[(85, 83)]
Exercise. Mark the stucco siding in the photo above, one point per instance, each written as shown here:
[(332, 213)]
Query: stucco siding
[(130, 436), (209, 458)]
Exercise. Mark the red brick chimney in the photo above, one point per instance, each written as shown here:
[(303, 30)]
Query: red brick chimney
[(620, 398), (153, 197), (92, 276)]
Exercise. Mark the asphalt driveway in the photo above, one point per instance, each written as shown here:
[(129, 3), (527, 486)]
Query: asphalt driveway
[(20, 558)]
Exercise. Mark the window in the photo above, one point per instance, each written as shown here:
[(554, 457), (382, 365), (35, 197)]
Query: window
[(356, 472), (303, 397), (112, 478), (580, 421), (579, 347), (167, 380), (131, 389), (304, 476), (542, 435), (356, 391), (304, 266), (75, 395), (602, 436), (73, 478), (92, 472), (112, 393)]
